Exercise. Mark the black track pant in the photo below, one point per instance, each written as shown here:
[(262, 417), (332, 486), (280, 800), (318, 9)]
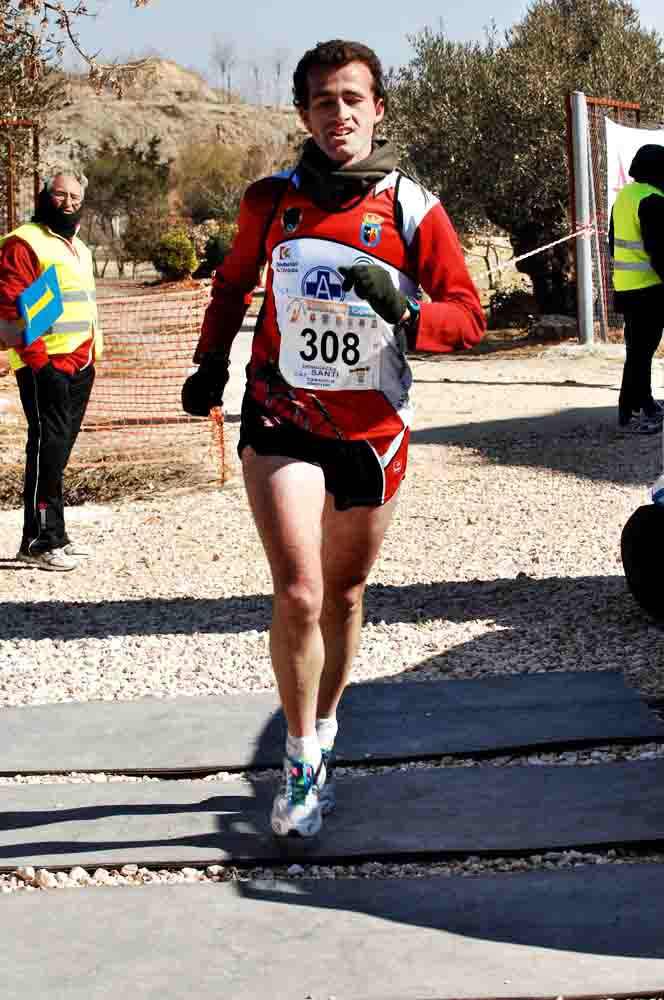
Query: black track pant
[(643, 332), (53, 426)]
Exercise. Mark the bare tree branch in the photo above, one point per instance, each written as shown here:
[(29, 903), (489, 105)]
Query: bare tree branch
[(43, 29)]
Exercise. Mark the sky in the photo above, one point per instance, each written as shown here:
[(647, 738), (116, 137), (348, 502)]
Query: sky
[(258, 29)]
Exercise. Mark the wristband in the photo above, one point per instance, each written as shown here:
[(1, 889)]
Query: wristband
[(414, 309), (409, 324)]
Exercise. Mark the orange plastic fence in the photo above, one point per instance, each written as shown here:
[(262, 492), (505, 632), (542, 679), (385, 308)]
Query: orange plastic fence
[(135, 416)]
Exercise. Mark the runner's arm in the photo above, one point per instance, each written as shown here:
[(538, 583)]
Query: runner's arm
[(239, 274), (454, 319)]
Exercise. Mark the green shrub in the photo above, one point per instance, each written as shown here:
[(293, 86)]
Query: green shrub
[(174, 255), (143, 232), (217, 245), (226, 234), (511, 309)]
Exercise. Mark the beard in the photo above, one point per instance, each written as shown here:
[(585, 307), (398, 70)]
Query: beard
[(49, 214), (61, 222)]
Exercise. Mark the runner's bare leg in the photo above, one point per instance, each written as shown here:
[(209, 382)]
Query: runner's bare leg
[(287, 499), (351, 542)]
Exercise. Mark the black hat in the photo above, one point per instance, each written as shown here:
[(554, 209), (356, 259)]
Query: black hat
[(642, 549), (647, 167)]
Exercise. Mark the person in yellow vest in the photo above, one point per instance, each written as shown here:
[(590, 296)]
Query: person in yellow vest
[(636, 243), (56, 371)]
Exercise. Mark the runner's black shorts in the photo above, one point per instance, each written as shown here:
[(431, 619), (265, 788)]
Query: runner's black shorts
[(356, 475)]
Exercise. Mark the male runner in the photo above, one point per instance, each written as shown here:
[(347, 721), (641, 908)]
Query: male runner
[(326, 414)]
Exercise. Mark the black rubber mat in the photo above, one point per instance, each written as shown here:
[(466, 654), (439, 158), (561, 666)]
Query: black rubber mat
[(417, 812), (380, 722), (586, 931)]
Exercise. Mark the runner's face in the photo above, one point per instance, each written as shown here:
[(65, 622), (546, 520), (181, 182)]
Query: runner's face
[(342, 112)]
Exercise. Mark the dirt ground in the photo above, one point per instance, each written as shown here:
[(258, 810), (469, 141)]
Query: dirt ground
[(503, 557)]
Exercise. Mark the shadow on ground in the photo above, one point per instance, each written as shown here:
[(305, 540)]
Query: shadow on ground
[(522, 602), (579, 441), (594, 911)]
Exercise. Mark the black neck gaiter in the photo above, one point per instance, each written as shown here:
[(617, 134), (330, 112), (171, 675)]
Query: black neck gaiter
[(332, 184)]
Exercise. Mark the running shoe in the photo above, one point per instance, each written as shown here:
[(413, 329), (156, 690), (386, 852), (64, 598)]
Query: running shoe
[(77, 550), (649, 423), (328, 793), (642, 423), (55, 560), (626, 417), (630, 419), (296, 810)]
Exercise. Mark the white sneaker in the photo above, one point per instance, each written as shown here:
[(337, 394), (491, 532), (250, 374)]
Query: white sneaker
[(55, 560), (296, 810), (77, 550), (649, 424), (328, 793)]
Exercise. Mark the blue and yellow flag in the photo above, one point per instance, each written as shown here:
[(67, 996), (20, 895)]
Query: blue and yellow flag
[(40, 305)]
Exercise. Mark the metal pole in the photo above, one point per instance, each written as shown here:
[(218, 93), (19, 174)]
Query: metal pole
[(35, 160), (11, 188), (584, 263)]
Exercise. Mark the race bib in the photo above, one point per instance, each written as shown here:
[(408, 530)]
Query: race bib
[(330, 345), (329, 338)]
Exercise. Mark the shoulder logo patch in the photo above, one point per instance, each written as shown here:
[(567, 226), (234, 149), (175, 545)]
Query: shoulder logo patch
[(291, 219), (370, 230)]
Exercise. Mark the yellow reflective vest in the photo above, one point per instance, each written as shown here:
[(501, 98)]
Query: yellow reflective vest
[(632, 269), (79, 321)]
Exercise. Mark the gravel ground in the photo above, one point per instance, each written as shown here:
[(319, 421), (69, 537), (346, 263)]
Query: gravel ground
[(503, 558)]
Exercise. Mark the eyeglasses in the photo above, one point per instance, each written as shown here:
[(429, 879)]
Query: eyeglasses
[(64, 195)]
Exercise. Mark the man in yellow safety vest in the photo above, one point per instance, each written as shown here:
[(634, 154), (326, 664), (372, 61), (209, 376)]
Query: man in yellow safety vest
[(636, 239), (54, 372)]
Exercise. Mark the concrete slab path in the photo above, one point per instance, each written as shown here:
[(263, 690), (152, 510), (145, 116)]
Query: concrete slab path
[(412, 813), (584, 931), (378, 722)]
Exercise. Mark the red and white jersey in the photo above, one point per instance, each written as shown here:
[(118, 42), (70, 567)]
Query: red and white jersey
[(321, 358)]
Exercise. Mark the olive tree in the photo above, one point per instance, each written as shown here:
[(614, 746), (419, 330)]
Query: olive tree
[(210, 178), (484, 124), (127, 198)]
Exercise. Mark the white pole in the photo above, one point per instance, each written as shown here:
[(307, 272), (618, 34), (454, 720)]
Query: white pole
[(603, 322), (584, 263)]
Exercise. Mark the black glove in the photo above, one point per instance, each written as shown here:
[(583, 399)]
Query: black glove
[(205, 388), (374, 284), (51, 385)]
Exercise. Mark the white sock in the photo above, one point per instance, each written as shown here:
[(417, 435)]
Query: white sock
[(306, 748), (326, 730)]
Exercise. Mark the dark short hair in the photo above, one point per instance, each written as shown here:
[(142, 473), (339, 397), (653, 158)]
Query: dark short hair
[(333, 55)]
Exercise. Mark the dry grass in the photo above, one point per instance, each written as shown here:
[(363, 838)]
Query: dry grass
[(107, 483)]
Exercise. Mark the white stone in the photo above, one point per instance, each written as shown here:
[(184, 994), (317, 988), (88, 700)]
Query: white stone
[(26, 873), (45, 879), (192, 874)]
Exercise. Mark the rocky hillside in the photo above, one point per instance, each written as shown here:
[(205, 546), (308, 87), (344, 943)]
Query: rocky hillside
[(165, 100)]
